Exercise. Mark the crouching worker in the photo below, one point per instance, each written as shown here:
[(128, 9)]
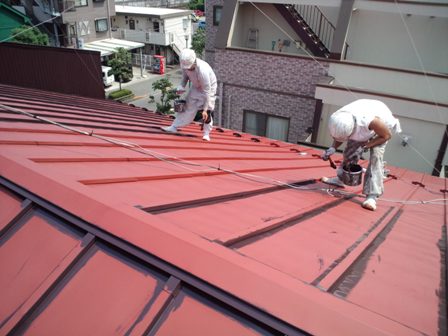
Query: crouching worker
[(366, 125), (202, 94)]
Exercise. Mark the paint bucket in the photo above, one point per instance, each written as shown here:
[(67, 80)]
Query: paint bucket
[(352, 175), (179, 105)]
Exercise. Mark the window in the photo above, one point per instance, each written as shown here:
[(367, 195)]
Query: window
[(217, 12), (101, 25), (156, 26), (131, 24), (266, 125), (81, 3)]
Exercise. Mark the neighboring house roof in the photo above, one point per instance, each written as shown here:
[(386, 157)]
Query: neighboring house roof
[(110, 46), (155, 12), (111, 226), (10, 19), (14, 11)]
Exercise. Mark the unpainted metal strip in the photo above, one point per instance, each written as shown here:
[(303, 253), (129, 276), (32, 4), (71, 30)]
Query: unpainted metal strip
[(342, 261), (353, 275), (217, 199), (254, 236), (190, 175)]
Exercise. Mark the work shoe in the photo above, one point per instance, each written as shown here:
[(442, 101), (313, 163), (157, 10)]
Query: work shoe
[(169, 129), (206, 137), (333, 181), (369, 203)]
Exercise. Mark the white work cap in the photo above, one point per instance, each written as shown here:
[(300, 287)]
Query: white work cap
[(187, 58), (341, 125)]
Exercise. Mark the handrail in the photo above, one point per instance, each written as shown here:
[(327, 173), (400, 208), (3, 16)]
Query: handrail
[(177, 42), (318, 22), (320, 25)]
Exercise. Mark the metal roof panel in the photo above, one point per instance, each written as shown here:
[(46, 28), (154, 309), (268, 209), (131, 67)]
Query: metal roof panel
[(242, 235)]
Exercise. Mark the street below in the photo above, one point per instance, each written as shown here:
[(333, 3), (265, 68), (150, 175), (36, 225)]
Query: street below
[(141, 86)]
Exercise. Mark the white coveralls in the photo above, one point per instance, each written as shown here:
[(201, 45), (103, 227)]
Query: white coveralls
[(364, 111), (202, 94)]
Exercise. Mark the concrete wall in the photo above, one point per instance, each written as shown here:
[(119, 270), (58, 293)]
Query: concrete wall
[(250, 17), (409, 42), (268, 83)]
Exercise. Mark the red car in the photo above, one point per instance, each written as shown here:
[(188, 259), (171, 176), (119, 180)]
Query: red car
[(198, 13)]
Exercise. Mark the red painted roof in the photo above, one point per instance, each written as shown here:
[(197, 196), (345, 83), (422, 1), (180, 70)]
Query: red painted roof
[(124, 229)]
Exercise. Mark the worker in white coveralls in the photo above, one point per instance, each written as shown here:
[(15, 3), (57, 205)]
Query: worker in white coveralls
[(202, 94), (365, 124)]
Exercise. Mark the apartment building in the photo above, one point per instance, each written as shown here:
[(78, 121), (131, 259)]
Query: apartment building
[(283, 69)]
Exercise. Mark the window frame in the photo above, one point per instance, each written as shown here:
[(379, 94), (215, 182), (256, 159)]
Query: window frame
[(216, 22), (81, 5), (265, 117), (97, 26)]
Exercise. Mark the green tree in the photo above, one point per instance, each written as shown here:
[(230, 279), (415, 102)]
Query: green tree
[(198, 41), (29, 35), (167, 94), (196, 4), (121, 65)]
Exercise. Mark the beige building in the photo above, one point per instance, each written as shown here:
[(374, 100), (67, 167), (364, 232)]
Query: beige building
[(163, 31), (85, 21), (283, 69)]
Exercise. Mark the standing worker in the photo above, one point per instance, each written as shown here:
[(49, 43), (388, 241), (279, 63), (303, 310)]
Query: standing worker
[(365, 124), (202, 95)]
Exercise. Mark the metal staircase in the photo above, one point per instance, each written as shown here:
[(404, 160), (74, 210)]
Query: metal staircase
[(310, 24)]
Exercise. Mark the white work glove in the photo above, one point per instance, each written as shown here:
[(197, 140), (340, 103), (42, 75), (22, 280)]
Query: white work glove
[(180, 89), (327, 153)]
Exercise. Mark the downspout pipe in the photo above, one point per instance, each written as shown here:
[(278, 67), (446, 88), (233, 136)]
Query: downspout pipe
[(109, 29), (442, 150), (220, 89), (316, 120)]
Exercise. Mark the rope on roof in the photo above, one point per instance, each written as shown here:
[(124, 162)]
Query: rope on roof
[(180, 162)]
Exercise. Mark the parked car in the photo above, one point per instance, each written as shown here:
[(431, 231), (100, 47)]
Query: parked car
[(108, 77), (201, 24)]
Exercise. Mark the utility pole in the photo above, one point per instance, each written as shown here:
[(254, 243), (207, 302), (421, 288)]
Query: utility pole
[(55, 27), (109, 28), (76, 35)]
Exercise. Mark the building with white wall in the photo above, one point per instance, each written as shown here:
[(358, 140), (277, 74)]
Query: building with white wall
[(164, 31), (396, 52)]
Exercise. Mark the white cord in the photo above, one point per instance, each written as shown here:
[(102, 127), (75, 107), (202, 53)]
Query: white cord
[(346, 87), (256, 178)]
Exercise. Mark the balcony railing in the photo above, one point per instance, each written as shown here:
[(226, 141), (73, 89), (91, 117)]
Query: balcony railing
[(143, 36), (175, 39), (152, 3), (66, 6)]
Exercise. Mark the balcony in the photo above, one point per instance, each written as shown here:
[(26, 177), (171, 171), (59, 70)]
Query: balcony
[(66, 6), (162, 39)]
